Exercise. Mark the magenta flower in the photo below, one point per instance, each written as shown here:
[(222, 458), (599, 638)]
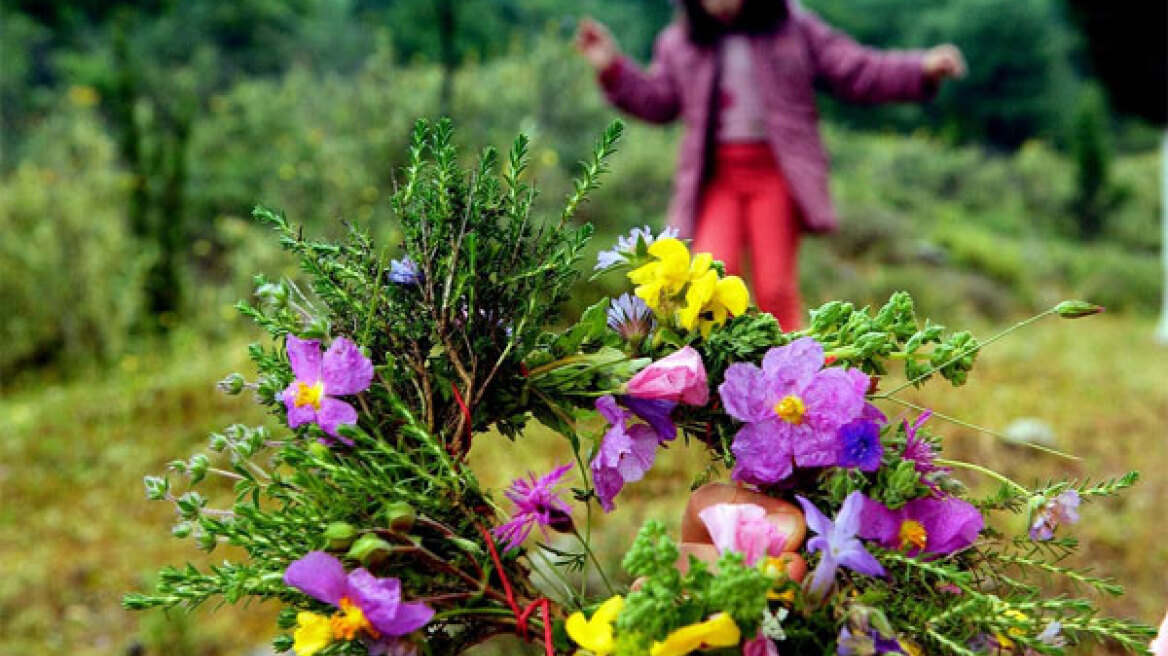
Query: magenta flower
[(743, 528), (860, 445), (370, 608), (793, 410), (625, 454), (917, 448), (536, 503), (837, 543), (342, 371), (1062, 509), (679, 377), (760, 645), (928, 525)]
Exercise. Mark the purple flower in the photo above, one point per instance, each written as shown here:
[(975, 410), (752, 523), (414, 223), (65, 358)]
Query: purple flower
[(1062, 509), (627, 452), (760, 645), (917, 448), (860, 445), (837, 543), (866, 643), (342, 371), (743, 528), (536, 503), (654, 412), (404, 271), (626, 245), (370, 607), (630, 317), (793, 410), (928, 525)]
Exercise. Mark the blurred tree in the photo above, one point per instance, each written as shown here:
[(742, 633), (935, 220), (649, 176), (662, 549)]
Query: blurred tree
[(1095, 196)]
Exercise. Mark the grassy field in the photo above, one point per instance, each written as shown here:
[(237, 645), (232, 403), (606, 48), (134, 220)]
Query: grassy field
[(76, 530)]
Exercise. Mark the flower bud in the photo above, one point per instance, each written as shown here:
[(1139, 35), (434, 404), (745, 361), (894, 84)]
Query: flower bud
[(1077, 309), (340, 535), (232, 384), (399, 516), (370, 549)]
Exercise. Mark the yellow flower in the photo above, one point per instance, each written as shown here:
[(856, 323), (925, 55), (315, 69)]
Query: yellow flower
[(730, 298), (313, 633), (665, 277), (595, 634), (1003, 639), (911, 648), (718, 631), (697, 296)]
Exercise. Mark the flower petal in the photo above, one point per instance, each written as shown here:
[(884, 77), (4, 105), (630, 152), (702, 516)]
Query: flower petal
[(793, 365), (744, 393), (334, 413), (319, 576), (761, 453), (656, 413), (305, 357), (816, 520), (381, 602), (344, 369), (847, 520), (856, 558), (297, 415), (722, 520)]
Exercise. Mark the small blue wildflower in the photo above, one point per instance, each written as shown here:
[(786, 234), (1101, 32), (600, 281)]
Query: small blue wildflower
[(1063, 509), (837, 543), (404, 271), (627, 245), (630, 317), (860, 445)]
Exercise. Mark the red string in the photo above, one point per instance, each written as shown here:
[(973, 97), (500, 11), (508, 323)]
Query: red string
[(465, 410), (521, 616)]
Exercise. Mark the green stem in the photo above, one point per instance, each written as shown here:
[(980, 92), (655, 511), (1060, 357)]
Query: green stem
[(455, 612), (981, 429), (945, 462), (595, 561)]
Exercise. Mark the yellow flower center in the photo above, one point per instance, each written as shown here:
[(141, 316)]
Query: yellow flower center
[(309, 395), (791, 409), (912, 534), (351, 621)]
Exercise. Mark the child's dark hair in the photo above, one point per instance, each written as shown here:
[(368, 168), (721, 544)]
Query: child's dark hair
[(757, 17)]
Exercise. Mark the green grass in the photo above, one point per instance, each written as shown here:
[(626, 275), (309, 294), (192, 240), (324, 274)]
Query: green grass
[(76, 531)]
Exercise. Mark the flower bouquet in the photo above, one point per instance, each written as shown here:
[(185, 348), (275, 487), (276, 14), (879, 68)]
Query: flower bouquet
[(835, 531)]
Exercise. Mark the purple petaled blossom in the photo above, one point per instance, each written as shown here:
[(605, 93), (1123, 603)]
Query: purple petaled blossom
[(1063, 509), (917, 448), (928, 525), (536, 503), (370, 607), (626, 245), (341, 371), (654, 412), (837, 543), (630, 317), (404, 271), (760, 645), (866, 643), (860, 445), (627, 452), (743, 528), (792, 408)]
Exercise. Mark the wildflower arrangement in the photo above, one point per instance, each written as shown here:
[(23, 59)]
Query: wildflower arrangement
[(839, 531)]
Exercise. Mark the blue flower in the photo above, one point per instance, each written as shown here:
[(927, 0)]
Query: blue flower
[(626, 245), (630, 317), (837, 543), (860, 445), (404, 271)]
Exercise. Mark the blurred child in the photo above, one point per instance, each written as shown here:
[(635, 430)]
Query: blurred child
[(752, 170)]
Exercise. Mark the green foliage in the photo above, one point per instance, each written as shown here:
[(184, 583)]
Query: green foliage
[(72, 268)]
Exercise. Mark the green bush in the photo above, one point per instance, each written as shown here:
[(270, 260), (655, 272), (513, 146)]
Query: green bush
[(72, 271)]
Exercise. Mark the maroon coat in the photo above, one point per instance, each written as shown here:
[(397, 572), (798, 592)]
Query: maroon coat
[(788, 62)]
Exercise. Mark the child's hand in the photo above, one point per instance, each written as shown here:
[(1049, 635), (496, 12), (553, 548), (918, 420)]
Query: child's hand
[(595, 42), (944, 61)]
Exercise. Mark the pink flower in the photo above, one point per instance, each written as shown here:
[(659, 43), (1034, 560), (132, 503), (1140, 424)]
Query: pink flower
[(743, 528), (760, 645), (679, 377), (1159, 646), (340, 371)]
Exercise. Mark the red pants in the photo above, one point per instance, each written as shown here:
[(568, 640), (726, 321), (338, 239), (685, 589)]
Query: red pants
[(746, 204)]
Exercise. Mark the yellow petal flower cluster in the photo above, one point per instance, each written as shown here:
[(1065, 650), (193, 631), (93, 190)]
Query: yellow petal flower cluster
[(688, 288), (718, 631), (596, 634)]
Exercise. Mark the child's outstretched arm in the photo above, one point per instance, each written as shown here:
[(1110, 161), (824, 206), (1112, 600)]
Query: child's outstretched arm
[(650, 95), (866, 75)]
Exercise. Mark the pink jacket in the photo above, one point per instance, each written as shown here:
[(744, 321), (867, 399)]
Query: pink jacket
[(680, 84)]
